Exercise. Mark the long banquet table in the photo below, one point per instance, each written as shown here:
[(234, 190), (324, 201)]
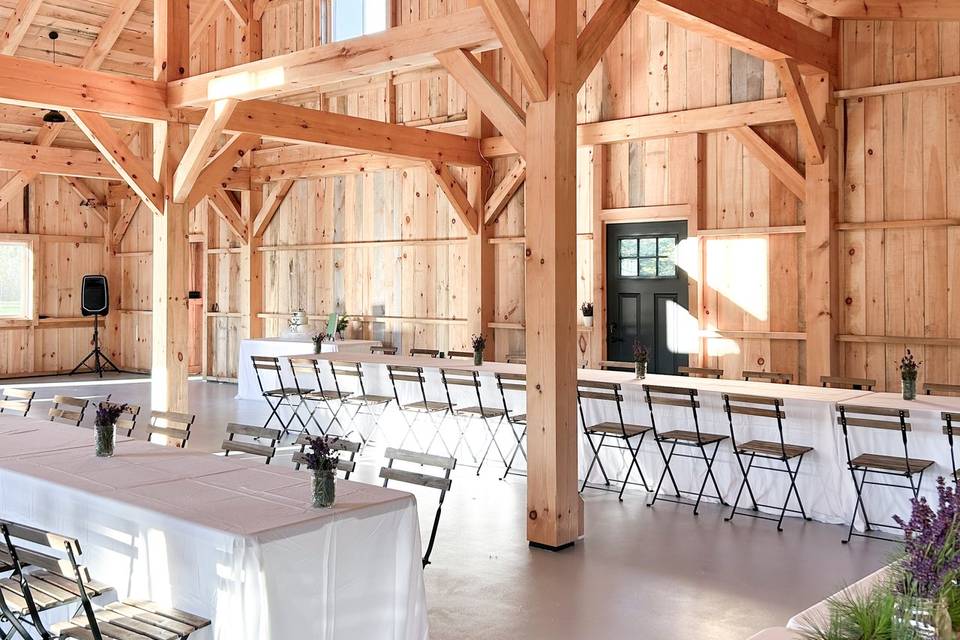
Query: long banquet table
[(227, 540), (824, 481)]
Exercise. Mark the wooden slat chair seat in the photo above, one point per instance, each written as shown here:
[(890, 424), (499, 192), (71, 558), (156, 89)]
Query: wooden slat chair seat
[(782, 456), (440, 483), (453, 377), (319, 397), (868, 464), (68, 410), (700, 441), (173, 426), (514, 383), (768, 376), (433, 353), (608, 394), (425, 406), (854, 384), (412, 412), (16, 401), (277, 393), (387, 351), (346, 465), (260, 435), (700, 372)]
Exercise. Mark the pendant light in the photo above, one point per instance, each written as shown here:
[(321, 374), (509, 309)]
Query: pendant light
[(53, 116)]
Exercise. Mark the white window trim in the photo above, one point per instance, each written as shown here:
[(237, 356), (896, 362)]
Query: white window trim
[(330, 19), (30, 242)]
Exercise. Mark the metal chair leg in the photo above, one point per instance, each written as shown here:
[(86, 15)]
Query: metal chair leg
[(857, 506), (516, 448), (743, 483), (665, 472)]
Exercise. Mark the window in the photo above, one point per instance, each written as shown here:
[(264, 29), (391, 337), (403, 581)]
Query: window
[(16, 273), (352, 18), (648, 257)]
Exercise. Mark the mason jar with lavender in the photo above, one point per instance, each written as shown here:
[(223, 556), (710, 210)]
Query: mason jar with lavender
[(105, 427)]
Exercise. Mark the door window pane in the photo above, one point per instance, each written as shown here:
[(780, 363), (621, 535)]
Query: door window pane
[(647, 247), (16, 272), (628, 268), (628, 248), (648, 267), (666, 268)]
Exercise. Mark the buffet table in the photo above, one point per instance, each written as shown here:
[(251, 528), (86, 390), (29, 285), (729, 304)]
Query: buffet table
[(824, 481), (229, 541), (247, 386)]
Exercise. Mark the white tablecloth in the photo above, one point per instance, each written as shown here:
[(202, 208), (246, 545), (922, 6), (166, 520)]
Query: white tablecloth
[(824, 482), (247, 386), (226, 540)]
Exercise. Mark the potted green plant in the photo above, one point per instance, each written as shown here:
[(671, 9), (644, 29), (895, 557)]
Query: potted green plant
[(640, 358), (323, 462), (105, 427), (908, 375), (587, 310), (342, 323), (479, 344)]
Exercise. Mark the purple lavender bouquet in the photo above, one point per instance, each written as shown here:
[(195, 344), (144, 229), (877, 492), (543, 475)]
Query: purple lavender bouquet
[(105, 427), (932, 544), (323, 462)]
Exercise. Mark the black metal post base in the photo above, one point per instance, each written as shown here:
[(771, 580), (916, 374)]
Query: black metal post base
[(547, 547)]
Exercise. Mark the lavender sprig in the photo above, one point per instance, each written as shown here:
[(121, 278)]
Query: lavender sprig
[(932, 543), (108, 413), (321, 456), (909, 366), (640, 353), (479, 342)]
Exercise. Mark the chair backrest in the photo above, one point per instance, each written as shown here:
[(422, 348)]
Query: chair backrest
[(516, 358), (460, 378), (405, 373), (673, 397), (616, 365), (267, 451), (755, 407), (341, 370), (267, 365), (16, 400), (949, 419), (348, 465), (387, 351), (128, 419), (768, 376), (305, 367), (510, 382), (700, 372), (938, 389), (441, 483), (840, 382), (173, 426), (68, 410), (467, 355), (873, 418), (433, 353)]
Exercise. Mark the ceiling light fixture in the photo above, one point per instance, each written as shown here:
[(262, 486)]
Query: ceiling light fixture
[(53, 116)]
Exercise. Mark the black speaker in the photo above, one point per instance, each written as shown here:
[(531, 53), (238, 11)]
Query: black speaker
[(94, 297)]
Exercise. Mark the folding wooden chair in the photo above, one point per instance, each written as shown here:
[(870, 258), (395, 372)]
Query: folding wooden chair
[(387, 351), (839, 382), (433, 353), (877, 464), (412, 411), (514, 382), (609, 392), (443, 484), (768, 376), (616, 365), (256, 448), (16, 401), (938, 389), (700, 372), (696, 439), (463, 355), (280, 396), (363, 403), (348, 465), (330, 399), (173, 426), (128, 419), (516, 358), (773, 450), (948, 421), (468, 378), (57, 579), (68, 410)]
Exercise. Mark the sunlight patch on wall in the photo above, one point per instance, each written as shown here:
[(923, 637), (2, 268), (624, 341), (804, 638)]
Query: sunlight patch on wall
[(737, 269)]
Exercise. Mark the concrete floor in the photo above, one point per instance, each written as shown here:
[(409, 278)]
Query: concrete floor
[(653, 574)]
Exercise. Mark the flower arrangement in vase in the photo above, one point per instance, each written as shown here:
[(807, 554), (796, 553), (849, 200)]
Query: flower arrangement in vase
[(323, 462), (640, 359), (105, 427), (479, 343), (908, 375), (587, 310), (318, 340)]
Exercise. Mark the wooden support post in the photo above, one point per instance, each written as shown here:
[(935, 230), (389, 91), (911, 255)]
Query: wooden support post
[(822, 209), (112, 269), (481, 254), (171, 247), (696, 174), (553, 502), (251, 202), (591, 181)]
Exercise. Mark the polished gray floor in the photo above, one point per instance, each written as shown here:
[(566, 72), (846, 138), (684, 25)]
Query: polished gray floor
[(643, 573)]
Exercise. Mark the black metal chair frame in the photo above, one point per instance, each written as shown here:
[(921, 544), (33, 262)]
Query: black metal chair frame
[(16, 399), (469, 378), (948, 420), (362, 401), (746, 405), (279, 397), (904, 427), (513, 382), (610, 392), (348, 466), (319, 396), (405, 373), (689, 401), (435, 482)]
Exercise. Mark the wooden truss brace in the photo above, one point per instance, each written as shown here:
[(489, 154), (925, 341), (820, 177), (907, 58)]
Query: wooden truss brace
[(228, 210), (204, 140), (271, 203), (779, 167), (219, 165), (498, 200), (520, 45), (799, 99), (456, 195), (599, 33), (128, 210), (87, 196)]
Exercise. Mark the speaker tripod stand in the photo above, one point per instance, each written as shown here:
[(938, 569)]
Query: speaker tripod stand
[(101, 362)]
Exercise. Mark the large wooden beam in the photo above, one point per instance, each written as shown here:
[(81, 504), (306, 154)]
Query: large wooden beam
[(43, 85), (778, 166), (500, 198), (497, 105), (201, 145), (550, 284), (326, 167), (55, 161), (603, 27), (402, 48), (751, 26), (456, 195), (17, 25), (289, 123), (803, 112), (520, 45), (134, 171), (888, 9), (220, 165), (665, 125)]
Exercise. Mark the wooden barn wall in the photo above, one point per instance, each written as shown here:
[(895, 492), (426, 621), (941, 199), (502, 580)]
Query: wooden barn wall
[(59, 338), (899, 241)]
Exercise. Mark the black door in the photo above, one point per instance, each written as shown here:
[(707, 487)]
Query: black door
[(644, 288)]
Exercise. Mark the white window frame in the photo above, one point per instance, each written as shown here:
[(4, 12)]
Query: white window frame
[(30, 268), (330, 17)]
